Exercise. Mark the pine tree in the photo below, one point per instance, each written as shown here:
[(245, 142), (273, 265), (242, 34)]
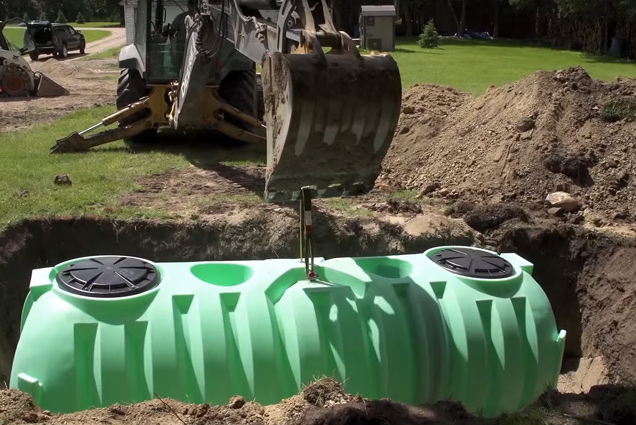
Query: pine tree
[(26, 17), (429, 38), (61, 19), (42, 16), (80, 18)]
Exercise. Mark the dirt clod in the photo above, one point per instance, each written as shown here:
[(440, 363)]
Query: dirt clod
[(563, 200), (236, 402), (320, 392), (486, 217)]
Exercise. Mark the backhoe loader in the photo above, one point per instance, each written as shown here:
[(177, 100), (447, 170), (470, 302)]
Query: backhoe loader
[(327, 113), (17, 79)]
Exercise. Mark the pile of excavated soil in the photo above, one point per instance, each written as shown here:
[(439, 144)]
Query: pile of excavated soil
[(518, 143), (323, 403)]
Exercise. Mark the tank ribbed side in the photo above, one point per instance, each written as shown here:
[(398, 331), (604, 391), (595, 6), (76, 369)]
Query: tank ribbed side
[(398, 327)]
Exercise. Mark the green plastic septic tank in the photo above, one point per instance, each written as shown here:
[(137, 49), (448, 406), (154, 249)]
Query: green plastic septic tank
[(452, 323)]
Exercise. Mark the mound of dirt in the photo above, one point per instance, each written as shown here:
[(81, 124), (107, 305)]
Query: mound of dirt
[(325, 403), (518, 143)]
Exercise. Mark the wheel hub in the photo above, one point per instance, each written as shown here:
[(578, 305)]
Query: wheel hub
[(14, 83)]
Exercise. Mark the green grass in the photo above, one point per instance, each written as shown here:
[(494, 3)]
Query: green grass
[(106, 54), (99, 176), (473, 65), (103, 174), (95, 35), (15, 35), (96, 25)]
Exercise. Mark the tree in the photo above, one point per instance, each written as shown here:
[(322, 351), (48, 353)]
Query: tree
[(429, 38), (61, 19), (80, 18), (26, 17)]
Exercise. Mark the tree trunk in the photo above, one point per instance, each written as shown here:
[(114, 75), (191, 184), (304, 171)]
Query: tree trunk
[(495, 31), (537, 23), (462, 23), (450, 5), (407, 17), (606, 37)]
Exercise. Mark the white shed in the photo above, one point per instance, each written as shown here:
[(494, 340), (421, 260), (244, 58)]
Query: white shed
[(377, 27)]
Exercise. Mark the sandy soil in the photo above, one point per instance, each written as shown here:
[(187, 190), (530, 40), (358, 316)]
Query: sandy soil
[(91, 83), (519, 143), (326, 403)]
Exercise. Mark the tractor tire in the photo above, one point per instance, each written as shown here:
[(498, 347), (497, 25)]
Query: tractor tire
[(15, 82), (82, 48), (239, 89), (130, 89), (34, 56)]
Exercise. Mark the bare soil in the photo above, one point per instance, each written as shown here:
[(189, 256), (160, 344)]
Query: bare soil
[(90, 83), (518, 143), (324, 402)]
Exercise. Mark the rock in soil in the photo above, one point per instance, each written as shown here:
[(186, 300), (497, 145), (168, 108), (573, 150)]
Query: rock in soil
[(564, 201)]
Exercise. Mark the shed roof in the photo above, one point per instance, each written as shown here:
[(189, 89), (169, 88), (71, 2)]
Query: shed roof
[(388, 10)]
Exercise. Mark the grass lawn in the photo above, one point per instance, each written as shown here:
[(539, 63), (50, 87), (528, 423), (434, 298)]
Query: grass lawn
[(27, 171), (15, 35), (96, 25), (106, 54), (473, 65), (102, 175)]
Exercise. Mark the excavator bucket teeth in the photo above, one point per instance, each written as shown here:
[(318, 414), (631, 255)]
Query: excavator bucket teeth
[(331, 119), (49, 88)]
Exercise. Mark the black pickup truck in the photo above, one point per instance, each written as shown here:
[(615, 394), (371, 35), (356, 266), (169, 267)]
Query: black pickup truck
[(53, 39)]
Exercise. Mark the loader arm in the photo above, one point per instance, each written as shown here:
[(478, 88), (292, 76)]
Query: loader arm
[(330, 118)]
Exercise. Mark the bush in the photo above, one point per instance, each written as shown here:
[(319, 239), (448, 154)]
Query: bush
[(619, 109), (80, 18), (26, 17), (429, 39), (42, 16), (61, 19)]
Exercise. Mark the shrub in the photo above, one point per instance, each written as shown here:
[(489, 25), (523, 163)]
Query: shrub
[(42, 16), (619, 109), (61, 19), (80, 18), (429, 39), (26, 17)]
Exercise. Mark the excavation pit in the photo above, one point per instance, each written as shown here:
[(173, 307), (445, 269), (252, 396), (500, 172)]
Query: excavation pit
[(584, 273)]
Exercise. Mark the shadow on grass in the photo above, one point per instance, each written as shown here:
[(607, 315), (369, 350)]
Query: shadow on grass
[(241, 163)]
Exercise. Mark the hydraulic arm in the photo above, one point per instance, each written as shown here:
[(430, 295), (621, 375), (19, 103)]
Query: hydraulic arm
[(329, 112)]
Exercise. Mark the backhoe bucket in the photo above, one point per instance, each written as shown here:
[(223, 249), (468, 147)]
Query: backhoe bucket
[(45, 87), (331, 119)]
